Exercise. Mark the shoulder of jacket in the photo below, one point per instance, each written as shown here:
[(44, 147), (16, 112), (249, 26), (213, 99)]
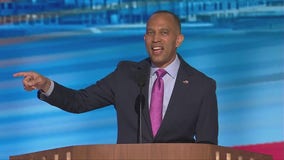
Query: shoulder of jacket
[(130, 64), (191, 71)]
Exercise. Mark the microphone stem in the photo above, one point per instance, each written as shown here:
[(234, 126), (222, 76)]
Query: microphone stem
[(140, 115)]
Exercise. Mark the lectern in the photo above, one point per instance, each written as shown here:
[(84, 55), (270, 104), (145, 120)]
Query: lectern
[(150, 151)]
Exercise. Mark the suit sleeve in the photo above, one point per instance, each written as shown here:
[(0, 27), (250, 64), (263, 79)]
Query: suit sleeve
[(77, 101), (207, 123)]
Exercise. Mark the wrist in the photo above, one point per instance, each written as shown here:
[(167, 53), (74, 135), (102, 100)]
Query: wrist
[(46, 85)]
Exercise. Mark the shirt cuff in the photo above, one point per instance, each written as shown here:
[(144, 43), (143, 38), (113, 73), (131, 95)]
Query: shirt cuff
[(49, 91)]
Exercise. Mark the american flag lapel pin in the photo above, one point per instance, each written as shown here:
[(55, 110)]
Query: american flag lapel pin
[(185, 81)]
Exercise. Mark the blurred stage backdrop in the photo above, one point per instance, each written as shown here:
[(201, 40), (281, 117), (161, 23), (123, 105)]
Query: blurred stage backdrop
[(76, 42)]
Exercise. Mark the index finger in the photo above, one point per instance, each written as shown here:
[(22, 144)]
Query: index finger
[(21, 74)]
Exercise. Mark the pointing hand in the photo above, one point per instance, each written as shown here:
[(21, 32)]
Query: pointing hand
[(33, 80)]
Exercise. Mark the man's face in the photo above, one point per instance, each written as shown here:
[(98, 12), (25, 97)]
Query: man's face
[(162, 37)]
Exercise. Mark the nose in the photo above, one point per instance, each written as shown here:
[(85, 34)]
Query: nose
[(156, 38)]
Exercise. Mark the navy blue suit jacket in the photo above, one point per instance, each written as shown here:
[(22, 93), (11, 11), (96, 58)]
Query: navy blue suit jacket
[(192, 114)]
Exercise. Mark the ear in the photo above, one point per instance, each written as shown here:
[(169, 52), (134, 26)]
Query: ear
[(179, 40)]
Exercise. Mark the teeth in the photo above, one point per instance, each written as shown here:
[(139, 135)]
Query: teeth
[(156, 48)]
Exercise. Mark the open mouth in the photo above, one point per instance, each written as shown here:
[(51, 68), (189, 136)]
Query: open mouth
[(157, 49)]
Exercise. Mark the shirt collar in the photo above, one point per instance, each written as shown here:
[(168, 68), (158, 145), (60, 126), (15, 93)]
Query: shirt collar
[(172, 68)]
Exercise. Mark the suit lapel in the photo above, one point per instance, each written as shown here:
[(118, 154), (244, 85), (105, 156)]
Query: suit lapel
[(147, 129), (146, 113), (181, 87)]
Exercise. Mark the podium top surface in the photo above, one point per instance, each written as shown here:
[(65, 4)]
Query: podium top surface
[(147, 151)]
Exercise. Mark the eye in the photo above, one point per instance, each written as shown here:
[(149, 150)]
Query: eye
[(150, 32), (164, 32)]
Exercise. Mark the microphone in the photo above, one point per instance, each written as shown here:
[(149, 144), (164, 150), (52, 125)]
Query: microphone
[(140, 78)]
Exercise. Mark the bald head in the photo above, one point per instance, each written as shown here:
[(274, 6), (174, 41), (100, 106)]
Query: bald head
[(172, 15)]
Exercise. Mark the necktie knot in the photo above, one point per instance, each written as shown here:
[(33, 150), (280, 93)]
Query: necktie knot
[(160, 73)]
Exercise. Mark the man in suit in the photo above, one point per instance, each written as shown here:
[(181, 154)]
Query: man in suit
[(189, 105)]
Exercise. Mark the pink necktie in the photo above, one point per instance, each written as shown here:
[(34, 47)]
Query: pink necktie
[(156, 105)]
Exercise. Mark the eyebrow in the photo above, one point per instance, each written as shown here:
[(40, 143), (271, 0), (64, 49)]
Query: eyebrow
[(162, 28)]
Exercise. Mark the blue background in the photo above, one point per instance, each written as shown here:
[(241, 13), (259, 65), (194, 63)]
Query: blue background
[(245, 59)]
